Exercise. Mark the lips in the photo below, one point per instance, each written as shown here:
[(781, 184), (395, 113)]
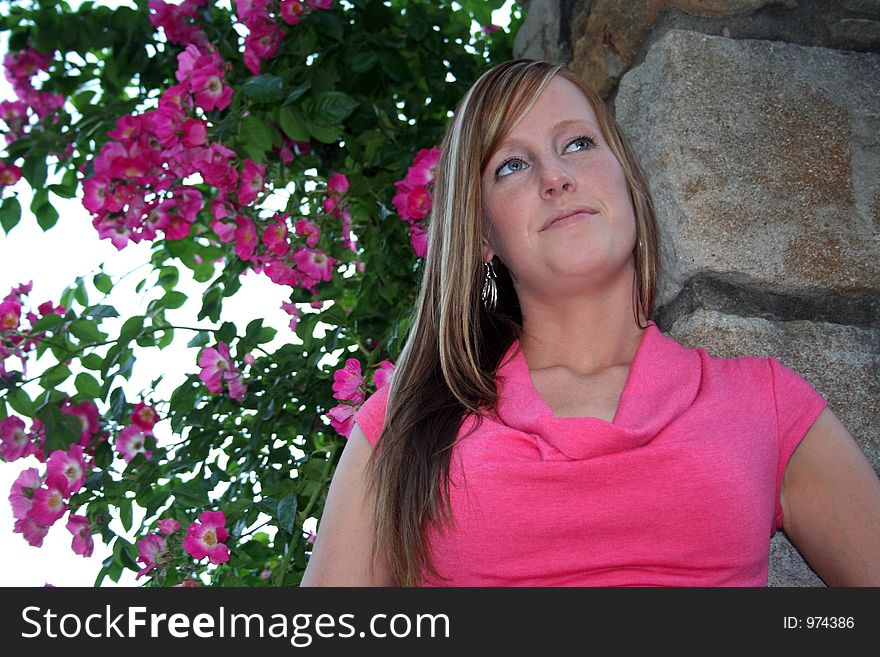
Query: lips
[(567, 213)]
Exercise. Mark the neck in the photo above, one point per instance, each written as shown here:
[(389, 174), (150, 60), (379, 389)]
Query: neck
[(585, 332)]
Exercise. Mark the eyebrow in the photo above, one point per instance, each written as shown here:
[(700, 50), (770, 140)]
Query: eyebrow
[(508, 142)]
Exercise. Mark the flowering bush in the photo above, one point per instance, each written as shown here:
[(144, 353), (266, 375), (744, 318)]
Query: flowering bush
[(286, 138)]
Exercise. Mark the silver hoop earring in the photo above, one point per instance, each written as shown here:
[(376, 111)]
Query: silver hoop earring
[(490, 287)]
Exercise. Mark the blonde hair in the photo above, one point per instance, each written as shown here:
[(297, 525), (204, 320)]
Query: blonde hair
[(447, 368)]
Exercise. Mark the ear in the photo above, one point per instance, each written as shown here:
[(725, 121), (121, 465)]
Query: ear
[(488, 251)]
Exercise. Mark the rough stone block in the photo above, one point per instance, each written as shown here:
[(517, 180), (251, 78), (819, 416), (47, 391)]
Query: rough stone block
[(763, 159)]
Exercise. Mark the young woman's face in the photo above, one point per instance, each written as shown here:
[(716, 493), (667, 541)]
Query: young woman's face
[(556, 200)]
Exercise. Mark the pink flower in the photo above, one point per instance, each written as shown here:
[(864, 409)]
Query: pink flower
[(488, 29), (10, 315), (418, 237), (382, 375), (150, 549), (342, 418), (293, 311), (82, 535), (48, 503), (20, 497), (205, 537), (306, 228), (348, 382), (9, 174), (291, 11), (15, 443), (215, 364), (69, 468), (245, 238), (207, 85), (131, 441), (33, 532), (314, 263), (144, 416), (252, 181), (194, 133), (275, 236), (87, 414), (217, 367), (337, 182), (168, 526), (262, 43)]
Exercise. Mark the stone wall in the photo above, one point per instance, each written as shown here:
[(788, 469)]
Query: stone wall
[(758, 125)]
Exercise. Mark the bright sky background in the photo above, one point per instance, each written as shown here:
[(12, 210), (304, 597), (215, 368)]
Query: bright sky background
[(53, 260)]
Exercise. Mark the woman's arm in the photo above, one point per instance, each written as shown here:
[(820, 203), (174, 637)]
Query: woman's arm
[(830, 501), (342, 554)]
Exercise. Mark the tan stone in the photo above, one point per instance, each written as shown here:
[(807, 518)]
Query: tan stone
[(763, 160), (614, 29)]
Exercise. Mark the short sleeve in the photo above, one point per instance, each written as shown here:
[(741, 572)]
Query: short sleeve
[(798, 404), (371, 415)]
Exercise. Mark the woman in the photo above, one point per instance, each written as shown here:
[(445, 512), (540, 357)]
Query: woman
[(537, 430)]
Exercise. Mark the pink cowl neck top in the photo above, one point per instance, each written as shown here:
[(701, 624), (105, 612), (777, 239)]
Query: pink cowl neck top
[(681, 489)]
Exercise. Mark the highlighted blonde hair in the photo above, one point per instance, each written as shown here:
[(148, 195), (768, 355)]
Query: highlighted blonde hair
[(446, 371)]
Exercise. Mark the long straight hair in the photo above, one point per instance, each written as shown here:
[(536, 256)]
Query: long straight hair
[(446, 371)]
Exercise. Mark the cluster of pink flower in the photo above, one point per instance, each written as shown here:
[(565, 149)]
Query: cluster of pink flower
[(132, 440), (178, 21), (264, 35), (271, 251), (217, 367), (349, 387), (38, 502), (413, 198), (17, 339), (204, 538), (137, 188), (21, 67)]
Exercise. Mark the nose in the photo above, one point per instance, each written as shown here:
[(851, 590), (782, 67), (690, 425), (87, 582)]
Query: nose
[(556, 179)]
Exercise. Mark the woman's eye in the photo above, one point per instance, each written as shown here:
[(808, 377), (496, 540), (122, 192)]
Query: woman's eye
[(511, 166), (579, 144)]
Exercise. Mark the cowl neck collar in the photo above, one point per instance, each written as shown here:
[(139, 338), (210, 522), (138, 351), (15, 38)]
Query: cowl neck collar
[(663, 381)]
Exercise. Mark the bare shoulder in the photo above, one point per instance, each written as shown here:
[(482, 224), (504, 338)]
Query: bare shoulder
[(830, 500), (342, 554)]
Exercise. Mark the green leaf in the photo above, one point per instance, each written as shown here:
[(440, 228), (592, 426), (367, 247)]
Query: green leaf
[(103, 283), (55, 375), (286, 513), (293, 124), (87, 331), (200, 339), (227, 332), (20, 402), (48, 322), (47, 215), (298, 91), (101, 311), (88, 385), (63, 191), (256, 137), (330, 108), (125, 515), (34, 170), (174, 299), (266, 334), (117, 404), (323, 133), (10, 214), (264, 88), (168, 277), (92, 362), (131, 328)]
